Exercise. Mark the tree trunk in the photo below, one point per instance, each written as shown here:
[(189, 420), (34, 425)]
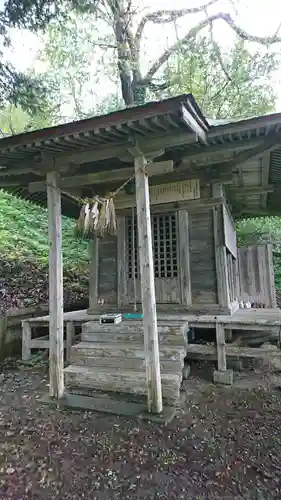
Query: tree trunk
[(139, 94)]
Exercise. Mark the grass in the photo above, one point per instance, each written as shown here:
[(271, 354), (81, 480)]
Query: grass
[(24, 235)]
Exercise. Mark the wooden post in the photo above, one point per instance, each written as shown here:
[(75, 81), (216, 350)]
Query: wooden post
[(184, 257), (55, 287), (151, 345), (220, 338), (26, 339), (272, 289), (70, 338), (94, 274)]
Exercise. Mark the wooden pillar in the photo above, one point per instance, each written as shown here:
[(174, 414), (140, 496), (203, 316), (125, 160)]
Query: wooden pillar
[(55, 286), (70, 338), (271, 278), (94, 274), (26, 340), (220, 251), (184, 257), (221, 354), (151, 344)]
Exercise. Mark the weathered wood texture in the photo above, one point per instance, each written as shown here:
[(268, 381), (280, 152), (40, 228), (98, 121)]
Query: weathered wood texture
[(123, 381), (221, 259), (202, 258), (256, 275), (232, 276), (221, 352), (107, 283), (11, 337), (122, 261), (93, 248), (151, 344), (230, 239), (184, 257), (112, 358), (55, 286), (165, 256), (26, 340), (199, 351), (165, 193)]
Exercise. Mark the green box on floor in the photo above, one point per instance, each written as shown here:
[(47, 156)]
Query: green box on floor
[(132, 316)]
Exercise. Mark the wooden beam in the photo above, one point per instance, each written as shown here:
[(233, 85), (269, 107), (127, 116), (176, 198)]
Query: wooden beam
[(251, 212), (9, 184), (208, 352), (267, 145), (194, 125), (192, 152), (111, 179), (104, 176), (244, 126), (246, 191), (151, 345), (55, 287), (149, 145)]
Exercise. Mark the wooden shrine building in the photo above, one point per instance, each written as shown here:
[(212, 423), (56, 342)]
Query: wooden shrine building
[(174, 258)]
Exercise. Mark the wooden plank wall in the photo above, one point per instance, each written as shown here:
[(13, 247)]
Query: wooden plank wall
[(107, 284), (256, 275), (232, 276), (202, 257)]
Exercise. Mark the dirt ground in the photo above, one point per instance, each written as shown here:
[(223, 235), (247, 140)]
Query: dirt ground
[(225, 443)]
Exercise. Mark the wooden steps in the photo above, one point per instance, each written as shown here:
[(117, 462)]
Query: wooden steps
[(123, 380), (111, 358)]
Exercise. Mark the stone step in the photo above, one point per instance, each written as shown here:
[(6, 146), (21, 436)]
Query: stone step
[(126, 350), (123, 381)]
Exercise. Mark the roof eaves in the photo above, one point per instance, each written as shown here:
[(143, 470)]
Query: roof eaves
[(111, 119), (245, 124)]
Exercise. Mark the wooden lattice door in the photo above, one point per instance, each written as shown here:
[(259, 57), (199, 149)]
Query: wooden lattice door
[(165, 254)]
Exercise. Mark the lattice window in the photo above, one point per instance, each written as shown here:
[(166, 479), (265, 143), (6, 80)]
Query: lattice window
[(164, 240)]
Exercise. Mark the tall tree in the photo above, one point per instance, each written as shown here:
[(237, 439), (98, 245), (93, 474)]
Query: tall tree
[(75, 63), (126, 35), (82, 58), (243, 88)]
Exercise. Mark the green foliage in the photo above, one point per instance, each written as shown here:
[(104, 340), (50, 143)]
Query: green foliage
[(74, 62), (15, 120), (31, 14), (24, 235), (25, 90), (263, 229), (196, 69)]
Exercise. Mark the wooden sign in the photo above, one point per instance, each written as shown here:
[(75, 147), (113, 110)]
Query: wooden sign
[(164, 193)]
